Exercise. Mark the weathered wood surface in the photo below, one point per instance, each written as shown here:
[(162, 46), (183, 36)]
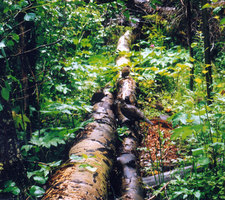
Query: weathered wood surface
[(128, 162), (167, 176), (128, 158), (123, 48), (86, 176)]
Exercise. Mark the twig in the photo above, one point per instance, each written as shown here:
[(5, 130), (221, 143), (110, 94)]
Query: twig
[(182, 3), (36, 48), (153, 197)]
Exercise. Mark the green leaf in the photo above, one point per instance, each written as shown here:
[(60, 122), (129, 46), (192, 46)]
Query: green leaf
[(198, 151), (197, 194), (40, 179), (15, 190), (27, 147), (5, 93), (55, 164), (185, 131), (182, 132), (217, 145), (222, 21), (179, 118), (36, 191), (217, 10), (207, 5), (15, 37), (75, 158), (30, 17), (2, 44), (203, 161), (1, 107), (9, 184), (10, 43)]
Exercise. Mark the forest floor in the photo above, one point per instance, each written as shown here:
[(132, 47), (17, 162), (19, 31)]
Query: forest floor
[(157, 153)]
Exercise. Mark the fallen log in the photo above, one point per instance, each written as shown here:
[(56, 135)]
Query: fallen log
[(128, 162), (128, 159), (86, 175), (166, 176)]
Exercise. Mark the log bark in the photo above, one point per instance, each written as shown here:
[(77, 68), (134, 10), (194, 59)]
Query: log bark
[(123, 47), (86, 175), (128, 158)]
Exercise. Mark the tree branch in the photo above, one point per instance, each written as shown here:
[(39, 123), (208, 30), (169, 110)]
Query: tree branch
[(153, 197), (36, 48)]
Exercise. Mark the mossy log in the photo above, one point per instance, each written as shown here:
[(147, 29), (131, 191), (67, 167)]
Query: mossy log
[(86, 175)]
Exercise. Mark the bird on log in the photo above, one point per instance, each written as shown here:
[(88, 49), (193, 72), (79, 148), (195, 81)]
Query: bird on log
[(133, 113), (125, 71)]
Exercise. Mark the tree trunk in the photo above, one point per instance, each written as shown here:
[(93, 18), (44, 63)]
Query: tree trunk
[(86, 175), (208, 67), (11, 165), (189, 38), (26, 32)]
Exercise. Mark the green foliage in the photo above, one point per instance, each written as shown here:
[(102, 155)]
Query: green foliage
[(11, 187), (36, 191), (199, 129), (122, 131)]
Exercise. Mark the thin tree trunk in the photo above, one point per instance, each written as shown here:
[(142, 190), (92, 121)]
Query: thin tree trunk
[(27, 64), (189, 33), (205, 28), (11, 165)]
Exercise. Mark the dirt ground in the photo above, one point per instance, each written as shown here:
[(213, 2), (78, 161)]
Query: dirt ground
[(157, 152)]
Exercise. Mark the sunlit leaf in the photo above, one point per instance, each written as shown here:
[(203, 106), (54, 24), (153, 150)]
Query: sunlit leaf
[(194, 44), (191, 59), (91, 169), (40, 179), (74, 157), (30, 17), (203, 161), (2, 44), (198, 80), (220, 85), (222, 21), (207, 5), (198, 151), (36, 191), (197, 194)]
